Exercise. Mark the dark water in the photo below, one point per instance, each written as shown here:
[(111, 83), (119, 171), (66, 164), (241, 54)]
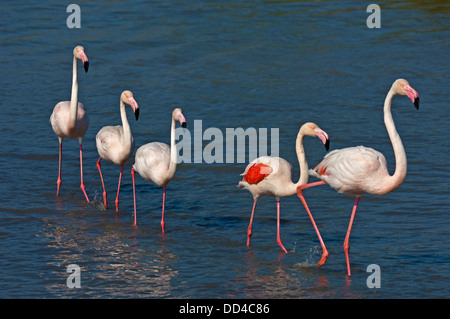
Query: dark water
[(261, 64)]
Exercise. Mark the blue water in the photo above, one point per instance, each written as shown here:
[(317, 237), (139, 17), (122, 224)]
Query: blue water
[(261, 64)]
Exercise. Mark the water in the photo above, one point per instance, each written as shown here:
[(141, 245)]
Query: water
[(261, 64)]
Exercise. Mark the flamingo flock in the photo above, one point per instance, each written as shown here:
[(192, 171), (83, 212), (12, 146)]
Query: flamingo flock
[(353, 170)]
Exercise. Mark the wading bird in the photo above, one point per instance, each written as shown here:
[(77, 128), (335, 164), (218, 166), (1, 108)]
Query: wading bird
[(69, 118), (157, 162), (272, 176), (115, 143), (358, 170)]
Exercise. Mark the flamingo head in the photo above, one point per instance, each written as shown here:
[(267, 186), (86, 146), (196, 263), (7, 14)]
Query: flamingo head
[(177, 115), (311, 129), (402, 87), (127, 97), (78, 52)]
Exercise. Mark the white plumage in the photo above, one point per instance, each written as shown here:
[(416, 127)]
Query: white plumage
[(351, 170), (272, 176), (69, 118), (156, 156), (110, 146), (157, 162), (358, 170), (116, 143)]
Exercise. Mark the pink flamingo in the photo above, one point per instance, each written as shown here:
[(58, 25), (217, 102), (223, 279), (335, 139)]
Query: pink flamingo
[(157, 162), (358, 170), (272, 176), (69, 118), (115, 143)]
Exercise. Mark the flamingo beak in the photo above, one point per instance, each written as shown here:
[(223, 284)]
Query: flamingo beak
[(134, 106), (182, 121), (412, 94), (84, 59), (323, 137)]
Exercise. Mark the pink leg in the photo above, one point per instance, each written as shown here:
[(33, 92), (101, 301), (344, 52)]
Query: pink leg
[(249, 229), (162, 216), (58, 182), (118, 188), (324, 249), (305, 186), (103, 184), (134, 196), (347, 237), (278, 228), (81, 171)]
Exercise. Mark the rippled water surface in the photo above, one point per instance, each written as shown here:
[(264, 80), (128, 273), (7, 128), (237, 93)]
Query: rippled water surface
[(261, 64)]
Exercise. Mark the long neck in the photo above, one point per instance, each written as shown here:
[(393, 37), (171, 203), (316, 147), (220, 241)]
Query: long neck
[(173, 152), (291, 188), (303, 178), (74, 96), (399, 176), (126, 137)]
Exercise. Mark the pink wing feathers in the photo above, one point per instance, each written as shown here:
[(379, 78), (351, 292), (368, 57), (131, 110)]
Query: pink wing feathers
[(256, 173)]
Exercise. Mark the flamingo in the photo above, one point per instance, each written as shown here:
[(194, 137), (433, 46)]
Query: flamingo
[(272, 176), (115, 143), (358, 170), (157, 162), (69, 118)]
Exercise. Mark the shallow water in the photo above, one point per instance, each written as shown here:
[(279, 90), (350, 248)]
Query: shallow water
[(262, 64)]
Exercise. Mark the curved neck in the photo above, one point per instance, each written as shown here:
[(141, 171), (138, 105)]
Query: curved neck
[(399, 176), (303, 178), (291, 189), (173, 152), (127, 137), (74, 96)]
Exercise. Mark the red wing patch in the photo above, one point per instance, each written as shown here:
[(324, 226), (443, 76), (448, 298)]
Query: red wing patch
[(323, 171), (257, 173)]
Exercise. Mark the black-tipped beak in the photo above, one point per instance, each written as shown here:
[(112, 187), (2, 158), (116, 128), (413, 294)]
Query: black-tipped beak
[(86, 66), (416, 103), (136, 114), (183, 125), (327, 145)]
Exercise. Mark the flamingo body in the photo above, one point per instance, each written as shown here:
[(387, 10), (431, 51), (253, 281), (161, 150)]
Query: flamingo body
[(69, 118), (353, 170), (157, 162), (359, 170), (60, 121), (116, 143), (272, 176), (110, 147), (152, 163), (269, 176)]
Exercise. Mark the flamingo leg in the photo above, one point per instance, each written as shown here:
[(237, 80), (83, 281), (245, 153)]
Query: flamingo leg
[(347, 237), (134, 196), (278, 228), (324, 249), (249, 229), (118, 188), (305, 186), (58, 182), (162, 215), (81, 172), (103, 184)]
